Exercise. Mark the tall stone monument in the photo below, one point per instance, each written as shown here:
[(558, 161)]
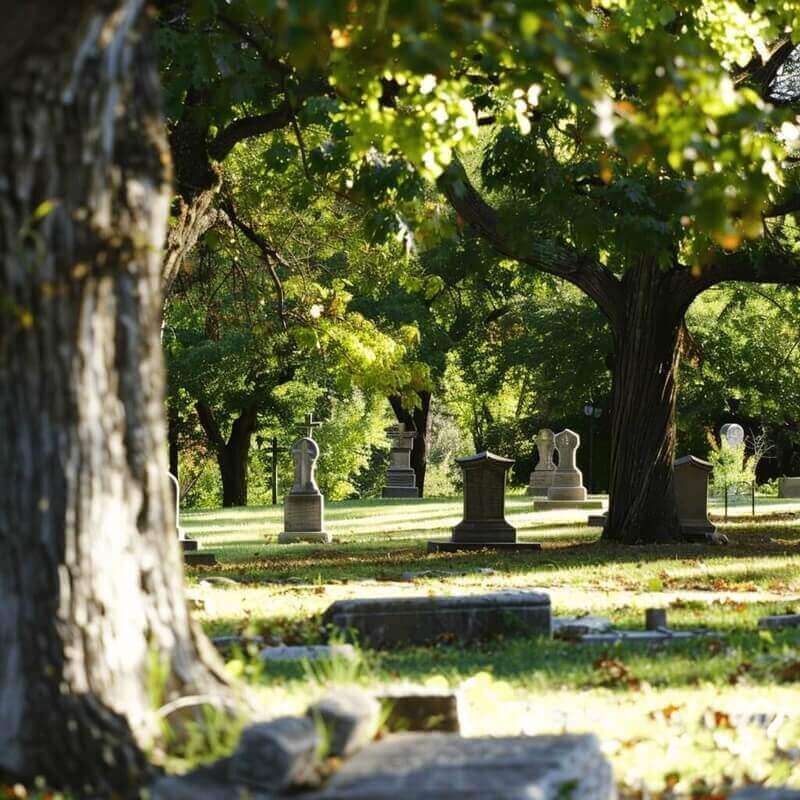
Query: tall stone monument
[(304, 506), (484, 525), (401, 480), (542, 476), (567, 489)]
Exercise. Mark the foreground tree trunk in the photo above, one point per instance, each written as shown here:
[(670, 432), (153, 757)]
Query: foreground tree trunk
[(233, 454), (91, 583), (419, 420), (647, 350)]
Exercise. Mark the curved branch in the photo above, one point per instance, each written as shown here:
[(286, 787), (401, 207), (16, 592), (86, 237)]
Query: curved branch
[(546, 255)]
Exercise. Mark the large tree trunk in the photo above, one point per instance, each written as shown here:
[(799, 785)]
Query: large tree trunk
[(647, 349), (91, 583), (233, 454), (419, 420)]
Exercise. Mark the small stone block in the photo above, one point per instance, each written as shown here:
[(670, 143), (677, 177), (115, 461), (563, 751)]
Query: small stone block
[(189, 545), (200, 559), (655, 618), (597, 520), (350, 717), (385, 622), (275, 755), (442, 766), (421, 709), (204, 783), (450, 546), (780, 621), (400, 491), (309, 652)]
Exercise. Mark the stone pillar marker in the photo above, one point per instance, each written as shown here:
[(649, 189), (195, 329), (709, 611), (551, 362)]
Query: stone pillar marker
[(401, 480), (567, 489), (484, 525), (542, 476), (304, 506)]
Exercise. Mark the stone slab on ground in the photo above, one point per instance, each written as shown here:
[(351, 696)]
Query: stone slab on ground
[(765, 793), (641, 637), (204, 783), (387, 621), (308, 652), (350, 716), (514, 547), (780, 621), (419, 708), (546, 504), (440, 766), (199, 559), (571, 627), (271, 756)]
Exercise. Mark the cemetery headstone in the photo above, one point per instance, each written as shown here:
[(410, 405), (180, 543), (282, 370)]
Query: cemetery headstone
[(691, 495), (567, 489), (304, 506), (542, 476), (401, 480), (732, 435), (187, 543), (389, 621), (789, 487), (484, 525)]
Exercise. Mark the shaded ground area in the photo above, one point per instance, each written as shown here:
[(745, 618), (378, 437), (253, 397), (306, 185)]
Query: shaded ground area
[(693, 716)]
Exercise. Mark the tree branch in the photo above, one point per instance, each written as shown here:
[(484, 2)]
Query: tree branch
[(546, 255), (247, 127), (209, 424)]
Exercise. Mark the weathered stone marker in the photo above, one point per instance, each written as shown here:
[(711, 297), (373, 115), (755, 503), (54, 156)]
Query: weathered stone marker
[(732, 435), (401, 480), (188, 544), (484, 525), (445, 766), (389, 621), (542, 476), (789, 487), (691, 495), (304, 506), (567, 489)]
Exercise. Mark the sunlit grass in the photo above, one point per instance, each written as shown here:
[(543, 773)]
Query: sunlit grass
[(521, 685)]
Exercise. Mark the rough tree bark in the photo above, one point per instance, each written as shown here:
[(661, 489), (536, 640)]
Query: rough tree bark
[(419, 420), (232, 455), (646, 308), (91, 583)]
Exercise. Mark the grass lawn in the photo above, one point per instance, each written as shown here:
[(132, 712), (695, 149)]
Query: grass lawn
[(693, 717)]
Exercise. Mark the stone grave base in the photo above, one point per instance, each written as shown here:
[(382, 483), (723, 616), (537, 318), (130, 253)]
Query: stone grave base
[(400, 491), (189, 545), (453, 547), (200, 559), (536, 491), (553, 505), (389, 621), (316, 537), (442, 766), (597, 520)]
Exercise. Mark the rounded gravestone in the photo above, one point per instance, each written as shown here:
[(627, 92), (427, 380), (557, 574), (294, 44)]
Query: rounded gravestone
[(732, 435)]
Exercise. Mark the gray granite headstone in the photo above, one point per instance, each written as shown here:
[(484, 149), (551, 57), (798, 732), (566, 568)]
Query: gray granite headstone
[(401, 480), (441, 766), (389, 621), (304, 506), (789, 487), (543, 473), (691, 495), (568, 479)]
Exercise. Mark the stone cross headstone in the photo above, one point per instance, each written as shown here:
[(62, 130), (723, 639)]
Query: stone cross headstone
[(187, 543), (732, 435), (691, 495), (306, 427), (401, 480), (304, 506), (542, 476), (568, 479)]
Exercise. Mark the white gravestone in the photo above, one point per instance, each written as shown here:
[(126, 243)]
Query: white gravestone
[(732, 435), (188, 544), (568, 479), (542, 476), (304, 506)]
